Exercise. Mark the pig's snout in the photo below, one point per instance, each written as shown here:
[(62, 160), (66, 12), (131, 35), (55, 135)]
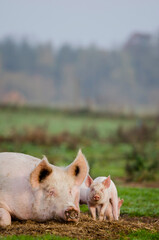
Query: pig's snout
[(71, 214), (96, 197)]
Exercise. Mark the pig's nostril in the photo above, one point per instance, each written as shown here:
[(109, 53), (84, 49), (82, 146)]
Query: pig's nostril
[(71, 215), (67, 214)]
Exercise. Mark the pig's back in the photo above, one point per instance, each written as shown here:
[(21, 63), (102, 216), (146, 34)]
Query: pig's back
[(16, 164), (16, 193)]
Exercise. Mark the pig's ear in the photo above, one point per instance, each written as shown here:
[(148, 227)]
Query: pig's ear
[(107, 182), (78, 169), (88, 181), (40, 173), (120, 202)]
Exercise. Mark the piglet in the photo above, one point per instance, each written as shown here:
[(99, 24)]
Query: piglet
[(97, 195)]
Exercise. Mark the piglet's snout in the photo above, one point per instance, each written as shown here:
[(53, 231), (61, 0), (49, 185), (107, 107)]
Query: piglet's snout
[(96, 197), (71, 214)]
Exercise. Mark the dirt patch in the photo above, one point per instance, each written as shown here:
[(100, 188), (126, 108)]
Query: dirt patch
[(86, 228)]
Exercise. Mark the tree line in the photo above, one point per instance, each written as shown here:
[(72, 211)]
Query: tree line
[(90, 76)]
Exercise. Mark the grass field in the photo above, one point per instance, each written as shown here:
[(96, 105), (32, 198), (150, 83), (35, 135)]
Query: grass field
[(59, 135), (57, 122), (138, 235), (104, 158)]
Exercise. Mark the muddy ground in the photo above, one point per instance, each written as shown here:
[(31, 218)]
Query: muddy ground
[(86, 228)]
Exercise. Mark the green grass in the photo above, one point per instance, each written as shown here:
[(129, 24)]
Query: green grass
[(139, 201), (141, 235), (137, 235)]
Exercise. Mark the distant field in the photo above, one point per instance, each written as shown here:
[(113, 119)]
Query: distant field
[(104, 157), (57, 122)]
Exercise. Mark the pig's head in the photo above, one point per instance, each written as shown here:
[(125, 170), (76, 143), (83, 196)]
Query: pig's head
[(98, 191), (56, 189)]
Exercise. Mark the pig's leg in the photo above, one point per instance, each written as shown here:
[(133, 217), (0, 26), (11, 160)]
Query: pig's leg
[(93, 212), (114, 201), (102, 211), (5, 218), (98, 210), (109, 212)]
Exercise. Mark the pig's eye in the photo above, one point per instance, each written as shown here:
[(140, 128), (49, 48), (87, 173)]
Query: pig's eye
[(102, 190)]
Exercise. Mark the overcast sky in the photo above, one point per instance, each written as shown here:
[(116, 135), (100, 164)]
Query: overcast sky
[(106, 23)]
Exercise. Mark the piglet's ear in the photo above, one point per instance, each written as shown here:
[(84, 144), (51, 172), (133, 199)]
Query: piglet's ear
[(107, 182), (40, 173), (88, 181), (78, 169)]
